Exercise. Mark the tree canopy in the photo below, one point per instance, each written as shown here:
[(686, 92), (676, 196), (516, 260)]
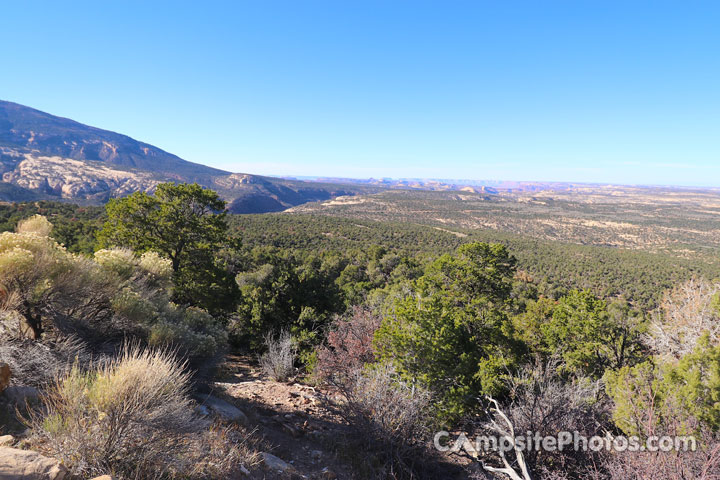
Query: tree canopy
[(184, 222)]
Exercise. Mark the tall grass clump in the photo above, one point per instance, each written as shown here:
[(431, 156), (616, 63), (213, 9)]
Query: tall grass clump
[(279, 359), (390, 423), (130, 416)]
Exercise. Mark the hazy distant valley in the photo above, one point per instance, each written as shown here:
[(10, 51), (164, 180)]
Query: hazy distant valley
[(43, 157), (673, 220)]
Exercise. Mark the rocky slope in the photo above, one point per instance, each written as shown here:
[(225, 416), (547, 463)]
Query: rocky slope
[(44, 156)]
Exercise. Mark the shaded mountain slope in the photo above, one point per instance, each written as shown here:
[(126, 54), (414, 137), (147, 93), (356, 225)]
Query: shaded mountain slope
[(45, 156)]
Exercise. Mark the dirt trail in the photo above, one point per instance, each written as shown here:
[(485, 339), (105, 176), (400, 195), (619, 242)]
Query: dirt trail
[(289, 417)]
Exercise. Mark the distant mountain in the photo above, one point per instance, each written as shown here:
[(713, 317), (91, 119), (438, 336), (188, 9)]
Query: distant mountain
[(43, 156)]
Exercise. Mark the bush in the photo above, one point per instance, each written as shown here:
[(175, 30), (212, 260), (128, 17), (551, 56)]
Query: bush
[(541, 403), (702, 464), (653, 400), (37, 224), (687, 313), (285, 290), (37, 364), (591, 337), (349, 345), (149, 269), (120, 261), (130, 416), (683, 394), (279, 360), (39, 279), (390, 422), (134, 307), (159, 268), (451, 333), (192, 330), (142, 301)]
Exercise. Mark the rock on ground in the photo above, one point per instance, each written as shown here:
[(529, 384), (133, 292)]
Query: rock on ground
[(275, 463), (223, 409), (18, 464)]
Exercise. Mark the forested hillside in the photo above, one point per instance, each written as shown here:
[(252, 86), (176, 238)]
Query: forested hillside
[(640, 277), (401, 330), (684, 222)]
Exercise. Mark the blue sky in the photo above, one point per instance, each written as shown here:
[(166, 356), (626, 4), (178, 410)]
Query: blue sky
[(621, 92)]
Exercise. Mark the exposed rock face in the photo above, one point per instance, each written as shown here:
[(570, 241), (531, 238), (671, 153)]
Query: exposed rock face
[(47, 157), (236, 179), (68, 178), (18, 464), (30, 130)]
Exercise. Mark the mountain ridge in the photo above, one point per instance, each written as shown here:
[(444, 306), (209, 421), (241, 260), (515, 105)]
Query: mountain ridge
[(47, 156)]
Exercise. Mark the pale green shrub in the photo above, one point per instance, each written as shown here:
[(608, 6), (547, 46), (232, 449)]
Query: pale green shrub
[(159, 268), (37, 273), (132, 306), (190, 329), (121, 261), (115, 289), (130, 416), (37, 224), (164, 333), (34, 243), (15, 261)]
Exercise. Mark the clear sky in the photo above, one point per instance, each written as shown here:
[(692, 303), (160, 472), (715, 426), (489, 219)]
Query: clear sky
[(622, 92)]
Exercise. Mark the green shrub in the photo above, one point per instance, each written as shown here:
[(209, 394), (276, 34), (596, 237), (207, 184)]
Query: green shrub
[(192, 330), (120, 261), (681, 395), (590, 337), (451, 333), (133, 307), (142, 300), (38, 276)]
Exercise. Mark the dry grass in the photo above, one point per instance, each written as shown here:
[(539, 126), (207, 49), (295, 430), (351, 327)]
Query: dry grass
[(390, 422), (278, 362), (36, 364), (130, 416)]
